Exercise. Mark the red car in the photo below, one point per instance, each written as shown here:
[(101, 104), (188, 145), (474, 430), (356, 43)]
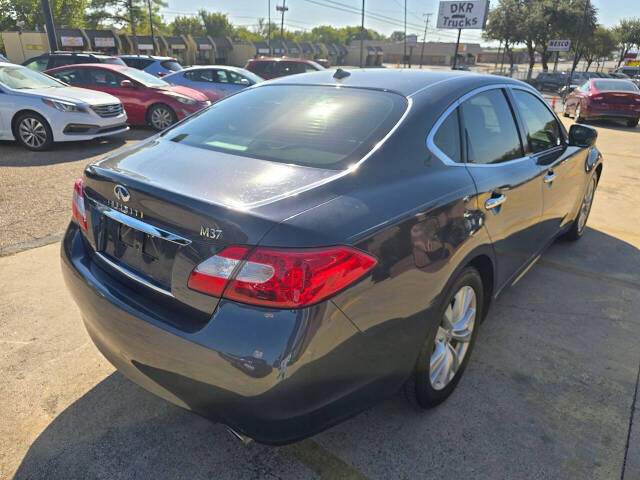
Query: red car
[(604, 98), (148, 100), (280, 67)]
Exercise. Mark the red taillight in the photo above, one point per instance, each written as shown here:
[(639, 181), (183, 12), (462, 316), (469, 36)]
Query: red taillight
[(282, 278), (78, 205)]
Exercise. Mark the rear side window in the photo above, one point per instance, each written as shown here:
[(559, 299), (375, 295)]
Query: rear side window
[(262, 67), (171, 65), (199, 75), (542, 127), (325, 127), (39, 64), (114, 61), (604, 85), (447, 138), (74, 76), (489, 129), (62, 60)]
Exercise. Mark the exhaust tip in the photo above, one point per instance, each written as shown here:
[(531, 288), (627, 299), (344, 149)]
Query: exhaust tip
[(238, 436)]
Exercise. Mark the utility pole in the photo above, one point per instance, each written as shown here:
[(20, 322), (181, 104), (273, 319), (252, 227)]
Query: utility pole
[(282, 9), (424, 37), (362, 37), (455, 55), (51, 29), (405, 34), (153, 37), (577, 46), (269, 27), (133, 27)]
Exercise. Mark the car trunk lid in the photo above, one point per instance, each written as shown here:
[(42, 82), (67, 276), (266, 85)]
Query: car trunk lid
[(154, 218)]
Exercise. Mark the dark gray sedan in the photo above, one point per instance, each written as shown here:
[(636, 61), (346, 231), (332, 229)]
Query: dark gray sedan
[(304, 248)]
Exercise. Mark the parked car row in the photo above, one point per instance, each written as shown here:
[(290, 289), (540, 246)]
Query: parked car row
[(132, 89), (557, 81), (37, 110)]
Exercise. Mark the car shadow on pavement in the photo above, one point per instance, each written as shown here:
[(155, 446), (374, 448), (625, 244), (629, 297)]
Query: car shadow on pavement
[(14, 155), (548, 394)]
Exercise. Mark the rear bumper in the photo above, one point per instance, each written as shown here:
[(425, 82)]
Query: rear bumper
[(275, 376), (597, 113)]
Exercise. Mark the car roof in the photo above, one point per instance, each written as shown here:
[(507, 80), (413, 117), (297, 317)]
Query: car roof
[(105, 66), (403, 81), (280, 59), (152, 57)]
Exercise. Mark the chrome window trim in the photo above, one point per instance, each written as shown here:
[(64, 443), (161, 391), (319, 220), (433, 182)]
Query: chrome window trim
[(132, 275), (449, 162)]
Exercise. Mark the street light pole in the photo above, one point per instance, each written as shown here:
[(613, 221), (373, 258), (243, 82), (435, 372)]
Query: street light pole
[(362, 37), (282, 9), (424, 37), (153, 37), (269, 27), (455, 55), (405, 34), (51, 29)]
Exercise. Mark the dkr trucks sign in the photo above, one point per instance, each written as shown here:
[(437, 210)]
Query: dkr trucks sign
[(463, 14)]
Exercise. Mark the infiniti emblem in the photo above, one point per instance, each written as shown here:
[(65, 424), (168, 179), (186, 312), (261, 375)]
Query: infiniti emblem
[(121, 193)]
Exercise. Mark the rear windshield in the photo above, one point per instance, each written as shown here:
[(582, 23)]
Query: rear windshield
[(171, 65), (619, 85), (114, 61), (325, 127)]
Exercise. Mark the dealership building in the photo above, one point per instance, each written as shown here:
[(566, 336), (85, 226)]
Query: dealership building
[(205, 50)]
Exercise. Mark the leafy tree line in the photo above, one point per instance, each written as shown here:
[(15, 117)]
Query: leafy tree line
[(533, 23), (27, 14)]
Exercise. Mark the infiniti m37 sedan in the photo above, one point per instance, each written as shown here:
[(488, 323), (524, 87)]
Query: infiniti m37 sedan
[(307, 246)]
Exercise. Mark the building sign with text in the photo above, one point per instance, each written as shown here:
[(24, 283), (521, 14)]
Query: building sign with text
[(463, 15), (559, 45)]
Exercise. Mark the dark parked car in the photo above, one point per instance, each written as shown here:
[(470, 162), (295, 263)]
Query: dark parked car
[(281, 67), (47, 61), (551, 81), (604, 98), (308, 246)]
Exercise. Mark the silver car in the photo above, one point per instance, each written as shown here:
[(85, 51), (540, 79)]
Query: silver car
[(37, 110)]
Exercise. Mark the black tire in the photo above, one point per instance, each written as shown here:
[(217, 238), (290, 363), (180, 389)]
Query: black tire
[(33, 132), (632, 122), (564, 110), (161, 116), (418, 388), (577, 227)]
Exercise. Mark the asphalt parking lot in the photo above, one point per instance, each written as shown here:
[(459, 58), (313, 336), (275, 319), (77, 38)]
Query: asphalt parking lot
[(549, 393)]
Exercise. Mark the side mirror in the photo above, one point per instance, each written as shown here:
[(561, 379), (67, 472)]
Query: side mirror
[(582, 136), (245, 82), (126, 84)]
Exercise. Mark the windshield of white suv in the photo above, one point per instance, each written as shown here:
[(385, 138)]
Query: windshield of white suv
[(21, 78)]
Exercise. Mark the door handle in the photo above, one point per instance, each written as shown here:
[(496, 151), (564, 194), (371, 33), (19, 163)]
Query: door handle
[(495, 202), (549, 177)]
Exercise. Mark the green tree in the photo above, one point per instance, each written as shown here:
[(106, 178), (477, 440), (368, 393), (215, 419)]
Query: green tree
[(130, 15), (599, 45), (68, 13), (500, 25), (216, 24), (328, 34), (187, 25), (397, 36), (627, 34)]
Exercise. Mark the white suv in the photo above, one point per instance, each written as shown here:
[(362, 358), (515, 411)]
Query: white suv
[(37, 110)]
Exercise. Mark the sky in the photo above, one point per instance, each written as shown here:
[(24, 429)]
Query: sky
[(305, 14)]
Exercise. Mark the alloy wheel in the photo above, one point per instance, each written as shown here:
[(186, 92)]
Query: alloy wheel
[(585, 208), (453, 338), (161, 118), (32, 132)]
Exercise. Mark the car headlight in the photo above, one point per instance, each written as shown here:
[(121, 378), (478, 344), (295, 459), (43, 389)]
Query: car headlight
[(63, 106), (182, 99)]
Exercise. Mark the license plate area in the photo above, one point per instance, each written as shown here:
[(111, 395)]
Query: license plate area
[(146, 255)]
